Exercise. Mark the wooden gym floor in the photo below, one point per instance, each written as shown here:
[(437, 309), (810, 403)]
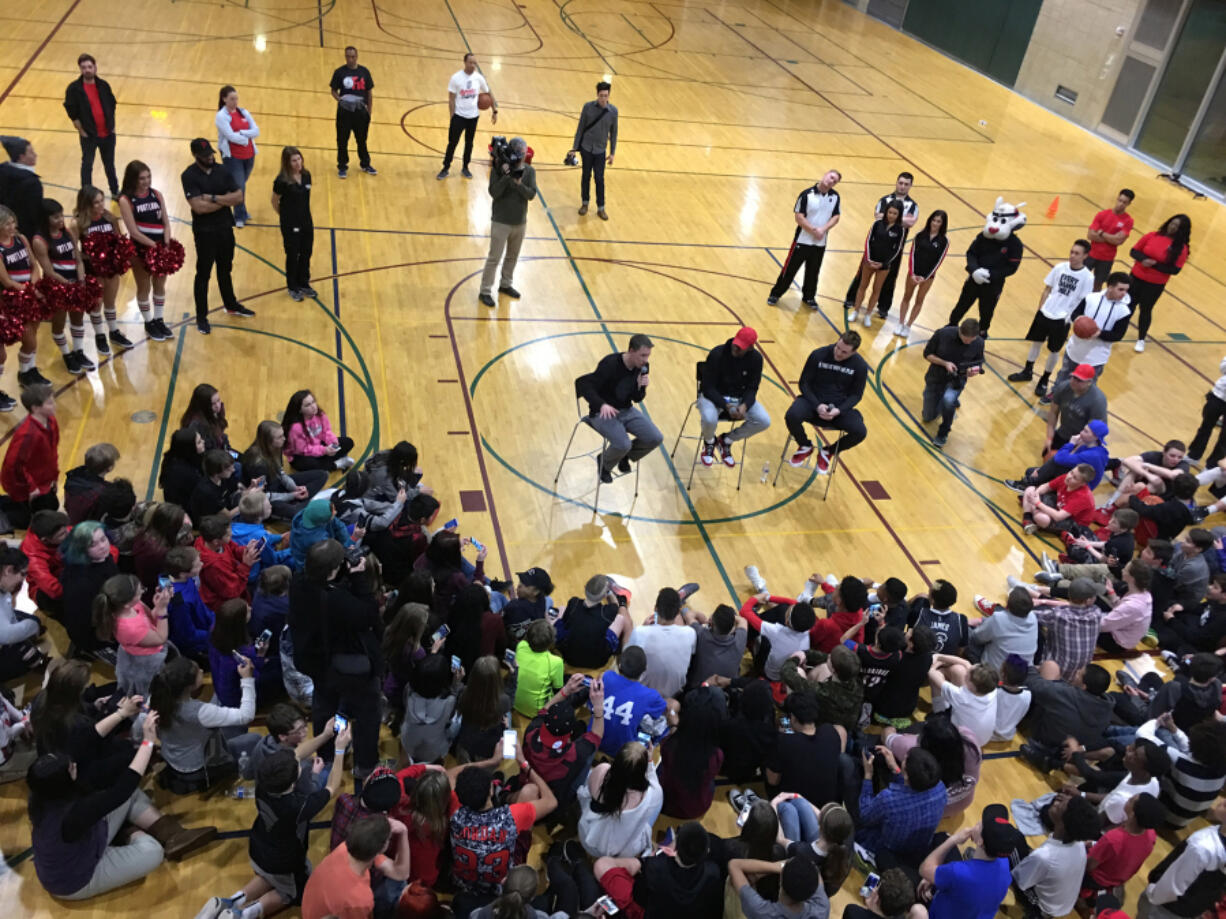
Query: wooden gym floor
[(727, 112)]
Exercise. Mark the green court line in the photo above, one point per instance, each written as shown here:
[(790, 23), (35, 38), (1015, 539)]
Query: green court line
[(170, 398)]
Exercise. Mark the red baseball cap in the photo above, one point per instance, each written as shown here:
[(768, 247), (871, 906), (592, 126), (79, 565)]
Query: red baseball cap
[(1083, 372), (746, 338)]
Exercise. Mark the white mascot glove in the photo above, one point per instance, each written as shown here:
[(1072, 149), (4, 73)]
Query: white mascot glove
[(981, 275)]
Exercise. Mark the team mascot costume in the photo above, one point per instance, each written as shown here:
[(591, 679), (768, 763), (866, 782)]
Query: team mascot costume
[(995, 254)]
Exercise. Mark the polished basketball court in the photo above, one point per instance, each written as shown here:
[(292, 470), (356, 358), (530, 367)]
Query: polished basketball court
[(727, 112)]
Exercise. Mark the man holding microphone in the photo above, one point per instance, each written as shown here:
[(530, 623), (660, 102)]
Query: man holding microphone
[(619, 381)]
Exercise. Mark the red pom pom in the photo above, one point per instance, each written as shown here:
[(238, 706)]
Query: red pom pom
[(163, 259), (57, 295), (86, 295), (107, 255), (18, 308)]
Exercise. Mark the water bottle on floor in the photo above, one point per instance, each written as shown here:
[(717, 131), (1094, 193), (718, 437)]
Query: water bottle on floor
[(766, 471)]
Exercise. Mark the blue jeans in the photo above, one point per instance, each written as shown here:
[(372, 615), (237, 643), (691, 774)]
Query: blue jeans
[(941, 397), (797, 820), (756, 420), (239, 171), (497, 601)]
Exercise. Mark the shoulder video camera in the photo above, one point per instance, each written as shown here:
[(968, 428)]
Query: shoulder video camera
[(503, 154)]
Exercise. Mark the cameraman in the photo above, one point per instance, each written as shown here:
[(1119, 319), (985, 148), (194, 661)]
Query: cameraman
[(956, 355), (336, 629), (512, 186)]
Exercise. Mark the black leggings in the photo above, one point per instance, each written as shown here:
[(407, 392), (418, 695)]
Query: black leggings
[(572, 888), (1144, 295), (298, 242), (325, 462)]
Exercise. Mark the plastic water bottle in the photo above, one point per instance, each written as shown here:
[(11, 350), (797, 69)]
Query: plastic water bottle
[(766, 471), (244, 764)]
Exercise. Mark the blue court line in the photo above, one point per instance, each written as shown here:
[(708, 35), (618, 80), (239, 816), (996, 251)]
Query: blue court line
[(689, 503), (340, 354), (170, 398)]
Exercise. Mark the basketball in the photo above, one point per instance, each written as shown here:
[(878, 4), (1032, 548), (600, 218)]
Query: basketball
[(483, 101), (1085, 327)]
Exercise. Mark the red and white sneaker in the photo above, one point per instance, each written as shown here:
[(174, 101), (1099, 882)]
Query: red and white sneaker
[(984, 605), (823, 462), (725, 450), (708, 454), (799, 457)]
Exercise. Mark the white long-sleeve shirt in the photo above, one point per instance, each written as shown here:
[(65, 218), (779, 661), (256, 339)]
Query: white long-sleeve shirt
[(226, 135), (1219, 388), (1205, 852)]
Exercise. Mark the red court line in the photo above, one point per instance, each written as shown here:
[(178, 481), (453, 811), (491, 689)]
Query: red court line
[(39, 50)]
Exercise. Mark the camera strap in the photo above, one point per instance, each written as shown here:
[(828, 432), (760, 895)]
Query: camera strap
[(604, 111)]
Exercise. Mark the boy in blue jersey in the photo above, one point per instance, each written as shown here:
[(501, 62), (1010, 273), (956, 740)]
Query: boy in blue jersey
[(627, 702)]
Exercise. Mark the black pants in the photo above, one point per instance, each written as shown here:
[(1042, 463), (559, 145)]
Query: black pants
[(1214, 410), (105, 146), (572, 888), (885, 299), (214, 247), (458, 126), (312, 480), (808, 256), (850, 422), (986, 294), (19, 658), (1144, 295), (298, 242), (360, 702), (1101, 268), (20, 512), (356, 123), (593, 163), (327, 463)]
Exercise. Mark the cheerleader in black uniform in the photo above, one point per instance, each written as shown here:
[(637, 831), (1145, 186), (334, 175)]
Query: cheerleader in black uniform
[(92, 217), (59, 256), (144, 214), (927, 253), (881, 247), (17, 271)]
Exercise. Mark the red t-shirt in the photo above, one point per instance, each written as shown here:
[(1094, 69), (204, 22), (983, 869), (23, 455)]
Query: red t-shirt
[(1109, 222), (334, 890), (95, 106), (1157, 247), (1079, 503), (1120, 855), (424, 850), (240, 151)]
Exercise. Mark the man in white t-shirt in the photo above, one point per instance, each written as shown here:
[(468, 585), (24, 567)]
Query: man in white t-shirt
[(669, 644), (816, 213), (463, 89), (973, 705), (1066, 286), (1111, 309), (1049, 878)]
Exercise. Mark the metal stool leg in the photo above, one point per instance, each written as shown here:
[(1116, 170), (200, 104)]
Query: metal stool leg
[(637, 467), (741, 474), (694, 462), (604, 445), (681, 430), (566, 452), (782, 457)]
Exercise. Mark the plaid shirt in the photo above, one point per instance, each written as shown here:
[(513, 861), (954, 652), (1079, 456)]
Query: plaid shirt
[(347, 809), (899, 819), (1072, 632)]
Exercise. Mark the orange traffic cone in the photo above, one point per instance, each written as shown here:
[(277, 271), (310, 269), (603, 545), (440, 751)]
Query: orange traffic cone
[(1053, 208)]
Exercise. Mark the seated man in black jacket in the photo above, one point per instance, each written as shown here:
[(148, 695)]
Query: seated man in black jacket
[(21, 190), (1079, 708), (831, 386), (611, 390), (682, 881), (1202, 628), (730, 379)]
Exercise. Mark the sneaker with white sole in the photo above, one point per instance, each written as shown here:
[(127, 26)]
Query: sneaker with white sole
[(831, 581), (1050, 565), (755, 580), (984, 605), (1140, 345), (823, 462), (345, 462), (707, 456), (867, 321), (798, 458), (724, 445)]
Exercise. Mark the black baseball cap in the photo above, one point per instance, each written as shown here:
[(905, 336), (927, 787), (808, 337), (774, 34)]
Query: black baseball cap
[(1000, 837), (538, 578), (201, 145)]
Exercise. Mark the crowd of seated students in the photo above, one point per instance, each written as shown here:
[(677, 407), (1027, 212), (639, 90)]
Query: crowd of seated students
[(339, 612)]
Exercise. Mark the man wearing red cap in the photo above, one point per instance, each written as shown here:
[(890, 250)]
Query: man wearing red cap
[(1075, 402), (730, 380)]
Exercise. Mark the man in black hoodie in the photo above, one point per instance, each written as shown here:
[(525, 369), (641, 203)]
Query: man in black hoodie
[(677, 881), (730, 379), (831, 386), (90, 105), (21, 190)]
